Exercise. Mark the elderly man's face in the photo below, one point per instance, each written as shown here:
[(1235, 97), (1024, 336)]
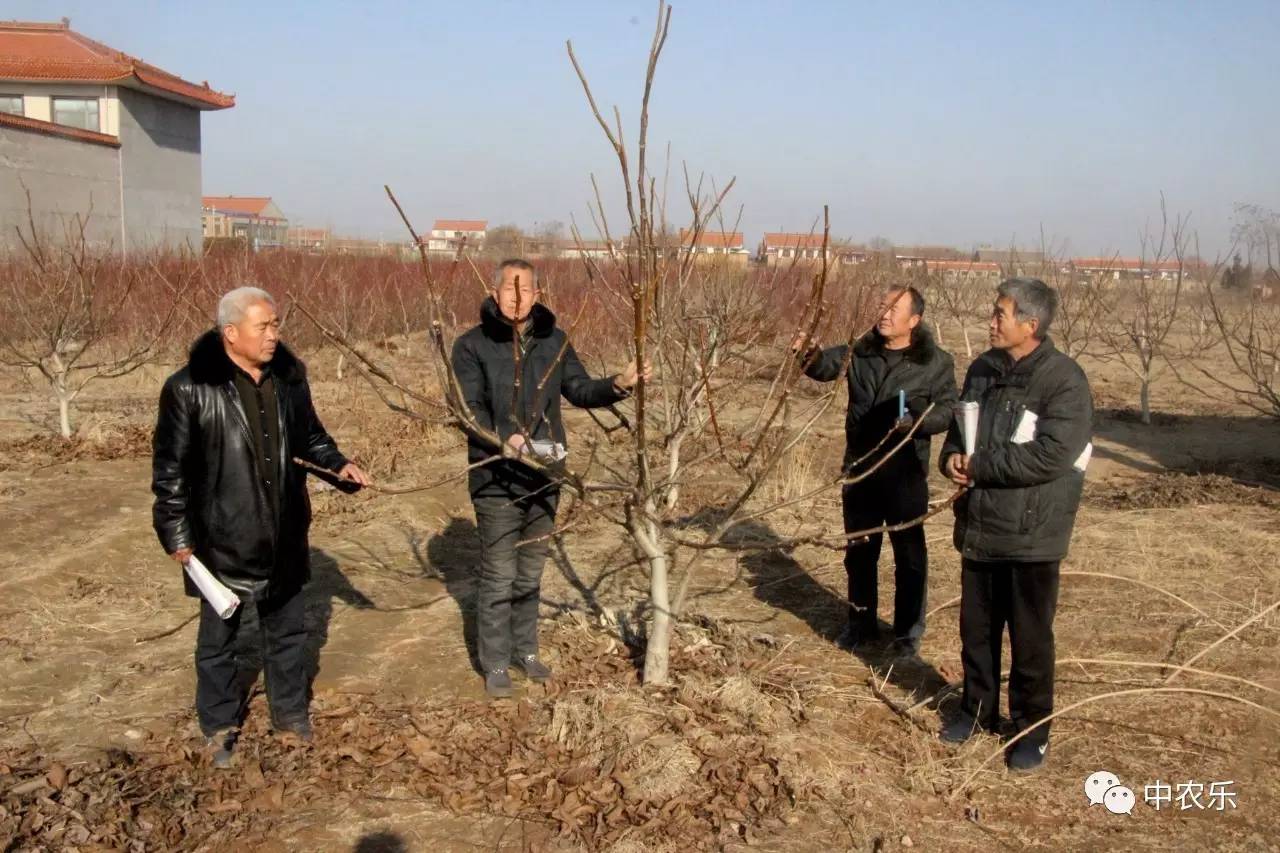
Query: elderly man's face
[(1006, 330), (255, 337), (516, 294)]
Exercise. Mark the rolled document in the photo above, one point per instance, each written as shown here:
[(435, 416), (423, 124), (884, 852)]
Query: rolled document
[(548, 451), (967, 417), (223, 601)]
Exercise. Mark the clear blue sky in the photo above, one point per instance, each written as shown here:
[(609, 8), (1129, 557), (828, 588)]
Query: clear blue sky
[(956, 123)]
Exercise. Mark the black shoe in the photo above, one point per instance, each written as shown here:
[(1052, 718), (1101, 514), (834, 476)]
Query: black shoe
[(905, 650), (855, 635), (1027, 755), (301, 729), (534, 669), (221, 745), (497, 684), (960, 729)]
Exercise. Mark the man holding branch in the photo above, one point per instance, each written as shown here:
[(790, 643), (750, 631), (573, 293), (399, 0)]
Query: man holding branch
[(1025, 476), (230, 422), (894, 373), (513, 368)]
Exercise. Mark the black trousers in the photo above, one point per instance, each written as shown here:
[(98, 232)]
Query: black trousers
[(888, 497), (510, 581), (1023, 596), (221, 689)]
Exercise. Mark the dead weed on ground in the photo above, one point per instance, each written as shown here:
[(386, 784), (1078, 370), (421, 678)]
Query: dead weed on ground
[(592, 761)]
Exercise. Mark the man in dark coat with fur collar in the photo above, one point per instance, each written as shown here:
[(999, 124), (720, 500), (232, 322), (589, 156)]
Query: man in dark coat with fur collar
[(512, 370), (226, 491), (896, 370)]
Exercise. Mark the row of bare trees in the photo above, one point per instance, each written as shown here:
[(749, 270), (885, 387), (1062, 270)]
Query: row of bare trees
[(1176, 314)]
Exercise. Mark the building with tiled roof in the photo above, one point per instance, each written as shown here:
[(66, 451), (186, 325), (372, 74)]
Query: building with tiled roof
[(449, 235), (254, 220), (92, 133)]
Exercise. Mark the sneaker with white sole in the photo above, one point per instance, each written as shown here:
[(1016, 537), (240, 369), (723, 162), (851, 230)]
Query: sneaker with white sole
[(497, 684), (1027, 755), (221, 746), (534, 669)]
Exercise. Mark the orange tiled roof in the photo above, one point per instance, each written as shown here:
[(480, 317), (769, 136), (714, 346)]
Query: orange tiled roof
[(48, 127), (41, 51), (790, 240), (975, 266), (1126, 264), (460, 225), (713, 239), (246, 205)]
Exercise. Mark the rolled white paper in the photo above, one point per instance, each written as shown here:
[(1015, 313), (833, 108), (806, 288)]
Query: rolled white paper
[(551, 451), (966, 413), (223, 601)]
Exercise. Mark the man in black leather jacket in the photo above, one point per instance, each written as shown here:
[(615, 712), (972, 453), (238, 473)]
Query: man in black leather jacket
[(513, 502), (227, 491)]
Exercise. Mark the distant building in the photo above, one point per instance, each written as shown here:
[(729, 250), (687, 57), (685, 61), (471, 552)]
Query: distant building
[(88, 131), (714, 245), (449, 235), (308, 239), (596, 249), (917, 256), (952, 271), (1117, 269), (791, 246), (254, 219)]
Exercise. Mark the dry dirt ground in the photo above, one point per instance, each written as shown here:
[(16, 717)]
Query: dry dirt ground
[(770, 737)]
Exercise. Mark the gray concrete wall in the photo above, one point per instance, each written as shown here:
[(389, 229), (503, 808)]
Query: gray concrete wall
[(160, 141), (66, 178)]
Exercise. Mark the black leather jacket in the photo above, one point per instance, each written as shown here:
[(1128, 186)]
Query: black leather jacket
[(209, 495)]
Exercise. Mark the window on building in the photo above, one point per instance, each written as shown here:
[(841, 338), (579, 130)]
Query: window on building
[(11, 104), (76, 112)]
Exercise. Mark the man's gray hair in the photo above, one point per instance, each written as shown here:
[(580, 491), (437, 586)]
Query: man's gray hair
[(1032, 299), (234, 303), (518, 263)]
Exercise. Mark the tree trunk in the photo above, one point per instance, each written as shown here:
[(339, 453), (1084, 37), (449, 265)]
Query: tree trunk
[(657, 653), (342, 359), (64, 414), (1145, 400), (968, 347)]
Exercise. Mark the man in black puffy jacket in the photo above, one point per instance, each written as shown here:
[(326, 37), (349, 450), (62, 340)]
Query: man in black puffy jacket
[(226, 490), (896, 364), (515, 502), (1014, 524)]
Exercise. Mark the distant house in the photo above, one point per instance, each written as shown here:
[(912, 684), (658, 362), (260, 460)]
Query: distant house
[(917, 256), (951, 271), (90, 134), (710, 245), (254, 219), (596, 249), (790, 246), (1117, 269), (308, 239), (449, 235)]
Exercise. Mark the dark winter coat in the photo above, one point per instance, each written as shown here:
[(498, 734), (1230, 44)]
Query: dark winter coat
[(484, 362), (1023, 503), (209, 494), (926, 373)]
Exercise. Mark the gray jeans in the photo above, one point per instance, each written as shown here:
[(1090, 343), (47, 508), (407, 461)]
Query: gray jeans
[(507, 594)]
